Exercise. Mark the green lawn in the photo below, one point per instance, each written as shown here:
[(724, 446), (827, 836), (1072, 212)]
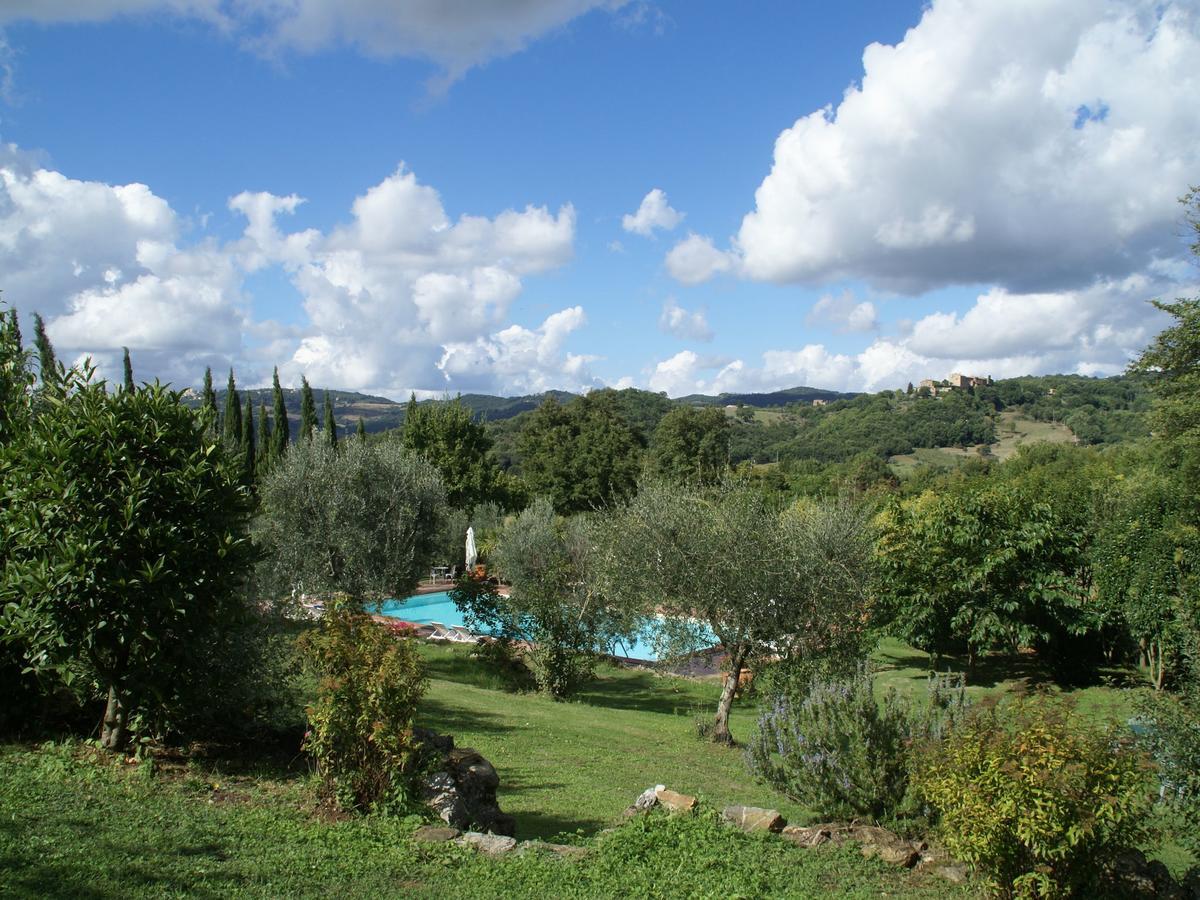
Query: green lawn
[(234, 825), (577, 765), (75, 825)]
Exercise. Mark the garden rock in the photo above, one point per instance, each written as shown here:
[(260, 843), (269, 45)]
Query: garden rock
[(461, 786), (647, 799), (752, 819), (490, 844), (812, 836), (674, 801), (886, 846), (433, 834)]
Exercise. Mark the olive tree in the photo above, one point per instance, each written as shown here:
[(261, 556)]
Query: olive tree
[(125, 553), (553, 602), (360, 519), (768, 585)]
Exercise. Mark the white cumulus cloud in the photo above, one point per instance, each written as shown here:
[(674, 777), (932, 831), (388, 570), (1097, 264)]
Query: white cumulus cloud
[(654, 212), (457, 36), (1096, 330), (695, 259), (845, 312), (682, 323), (1037, 146), (385, 294)]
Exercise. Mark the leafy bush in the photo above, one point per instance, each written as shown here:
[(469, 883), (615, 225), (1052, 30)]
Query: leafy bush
[(361, 723), (1033, 798), (836, 749), (1172, 737), (124, 551)]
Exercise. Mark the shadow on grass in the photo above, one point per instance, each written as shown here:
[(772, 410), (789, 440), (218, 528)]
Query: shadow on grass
[(996, 669), (454, 719), (546, 827), (275, 755), (645, 691)]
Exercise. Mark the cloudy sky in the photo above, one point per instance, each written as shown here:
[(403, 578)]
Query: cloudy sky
[(513, 195)]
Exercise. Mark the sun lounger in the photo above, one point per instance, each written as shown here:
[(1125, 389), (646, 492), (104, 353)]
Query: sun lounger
[(440, 632), (462, 635)]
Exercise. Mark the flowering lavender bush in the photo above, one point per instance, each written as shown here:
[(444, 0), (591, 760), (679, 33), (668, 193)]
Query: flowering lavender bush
[(835, 749)]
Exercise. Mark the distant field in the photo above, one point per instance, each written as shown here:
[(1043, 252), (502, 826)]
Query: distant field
[(1012, 430)]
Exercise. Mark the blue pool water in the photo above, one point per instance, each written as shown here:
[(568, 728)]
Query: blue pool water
[(425, 609)]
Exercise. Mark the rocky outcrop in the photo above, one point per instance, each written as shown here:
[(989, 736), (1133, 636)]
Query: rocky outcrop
[(461, 786)]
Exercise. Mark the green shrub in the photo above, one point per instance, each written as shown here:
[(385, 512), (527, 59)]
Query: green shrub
[(360, 727), (836, 750), (1034, 798), (1172, 736)]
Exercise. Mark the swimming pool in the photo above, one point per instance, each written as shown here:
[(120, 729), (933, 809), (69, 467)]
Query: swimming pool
[(425, 609)]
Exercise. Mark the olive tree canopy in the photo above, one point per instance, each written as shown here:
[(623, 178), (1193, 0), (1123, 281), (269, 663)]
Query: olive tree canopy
[(787, 586), (360, 519)]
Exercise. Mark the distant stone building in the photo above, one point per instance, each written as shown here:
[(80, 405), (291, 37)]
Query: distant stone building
[(731, 409), (958, 380), (820, 402)]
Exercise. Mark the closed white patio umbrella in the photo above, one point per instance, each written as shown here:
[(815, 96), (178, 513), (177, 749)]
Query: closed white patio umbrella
[(472, 553)]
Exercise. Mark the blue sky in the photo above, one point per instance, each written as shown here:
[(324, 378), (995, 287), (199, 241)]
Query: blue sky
[(849, 197)]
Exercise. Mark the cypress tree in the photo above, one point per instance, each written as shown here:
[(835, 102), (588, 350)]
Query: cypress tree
[(128, 372), (249, 460), (279, 434), (362, 430), (233, 416), (208, 402), (263, 450), (14, 329), (308, 410), (47, 364), (330, 425)]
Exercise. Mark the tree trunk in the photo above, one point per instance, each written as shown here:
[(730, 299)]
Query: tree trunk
[(1157, 668), (720, 732), (113, 733)]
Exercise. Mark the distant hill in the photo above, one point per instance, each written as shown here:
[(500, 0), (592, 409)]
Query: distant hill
[(764, 401), (381, 414), (788, 426), (377, 413)]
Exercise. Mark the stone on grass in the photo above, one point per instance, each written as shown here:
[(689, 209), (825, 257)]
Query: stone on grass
[(674, 801), (752, 818), (491, 844), (898, 854), (812, 836), (434, 834), (649, 797), (461, 787), (883, 844)]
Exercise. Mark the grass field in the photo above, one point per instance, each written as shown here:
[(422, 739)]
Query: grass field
[(238, 825), (1012, 430), (577, 765)]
